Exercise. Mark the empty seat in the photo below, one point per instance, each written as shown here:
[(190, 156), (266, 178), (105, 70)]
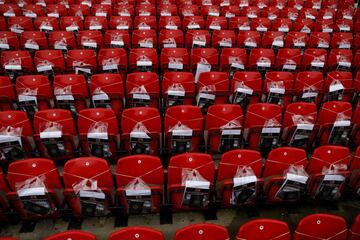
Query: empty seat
[(288, 60), (174, 59), (90, 39), (16, 63), (96, 23), (299, 124), (199, 231), (224, 123), (121, 23), (278, 88), (284, 175), (49, 62), (319, 40), (239, 24), (34, 183), (82, 61), (80, 10), (272, 39), (170, 22), (339, 86), (308, 87), (178, 88), (62, 40), (107, 91), (261, 59), (18, 142), (354, 231), (113, 60), (239, 174), (71, 23), (334, 120), (145, 10), (249, 39), (197, 39), (171, 39), (101, 10), (143, 60), (167, 10), (144, 39), (193, 22), (283, 25), (190, 181), (88, 186), (340, 59), (246, 88), (141, 130), (342, 40), (133, 233), (296, 40), (72, 234), (143, 89), (262, 126), (145, 23), (46, 24), (263, 228), (20, 24), (8, 41), (98, 132), (55, 134), (117, 39), (216, 23), (321, 226), (56, 10), (34, 93), (315, 59), (183, 129), (71, 92), (140, 181), (203, 60), (124, 10), (223, 39), (233, 60), (328, 173)]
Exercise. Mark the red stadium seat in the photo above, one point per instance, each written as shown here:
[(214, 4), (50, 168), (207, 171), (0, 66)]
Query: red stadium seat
[(174, 59), (98, 132), (230, 166), (224, 123), (49, 62), (262, 126), (334, 120), (134, 233), (303, 25), (34, 93), (124, 10), (143, 60), (239, 24), (342, 40), (197, 39), (272, 39), (190, 181), (202, 231), (101, 10), (178, 88), (95, 23), (107, 91), (166, 10), (230, 11), (82, 61), (16, 63), (260, 24), (33, 40), (280, 172), (90, 39), (145, 23), (144, 39), (8, 96), (145, 10), (183, 128), (278, 88), (354, 231), (80, 10), (308, 13), (71, 92), (203, 60), (261, 59), (340, 59), (34, 182), (170, 22), (141, 130), (288, 59), (319, 40), (113, 60), (315, 59), (20, 24), (251, 12), (214, 23), (193, 23), (299, 124), (232, 60), (20, 136), (88, 186), (291, 12), (210, 11), (71, 23), (143, 89), (188, 10), (55, 134), (264, 229), (344, 25), (324, 25), (223, 39), (121, 23), (309, 87), (321, 226), (117, 39), (328, 172), (8, 41), (62, 40), (140, 181), (249, 39), (171, 39), (72, 234), (10, 10), (338, 86), (46, 24), (56, 10), (283, 25), (246, 88)]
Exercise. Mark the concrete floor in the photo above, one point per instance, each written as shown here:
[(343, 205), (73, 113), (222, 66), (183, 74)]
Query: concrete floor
[(231, 218)]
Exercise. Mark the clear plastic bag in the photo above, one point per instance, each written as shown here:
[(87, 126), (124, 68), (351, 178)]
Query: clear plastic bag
[(138, 197), (31, 45), (111, 65), (245, 186), (146, 43), (98, 140), (309, 94), (170, 43), (83, 69), (236, 64), (28, 101), (140, 139), (270, 134), (13, 68), (51, 138), (202, 66), (10, 144), (263, 63), (336, 91), (242, 94), (95, 25), (46, 68), (65, 99), (294, 184), (196, 189), (175, 64), (317, 63), (92, 199), (88, 43), (175, 95), (206, 97), (304, 127), (140, 97), (230, 136), (144, 64), (100, 99), (340, 132), (276, 92), (332, 181), (181, 138), (117, 41), (343, 63), (199, 41), (34, 196)]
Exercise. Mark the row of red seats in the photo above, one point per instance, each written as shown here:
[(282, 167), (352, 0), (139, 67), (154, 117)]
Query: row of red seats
[(93, 39), (263, 24), (226, 127), (287, 176), (315, 226), (253, 9)]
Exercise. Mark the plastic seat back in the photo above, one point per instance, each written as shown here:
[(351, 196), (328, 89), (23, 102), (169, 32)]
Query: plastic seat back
[(178, 88), (264, 229), (202, 231), (246, 88), (143, 60), (72, 234), (16, 63), (133, 233), (309, 87), (278, 88), (174, 59), (203, 60)]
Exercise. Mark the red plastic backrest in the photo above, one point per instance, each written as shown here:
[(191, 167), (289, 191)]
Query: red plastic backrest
[(88, 117), (60, 116), (72, 234), (135, 233), (149, 117), (187, 115), (200, 231)]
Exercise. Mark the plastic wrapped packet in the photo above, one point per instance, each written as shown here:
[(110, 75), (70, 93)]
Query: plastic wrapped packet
[(28, 101), (88, 43), (230, 136), (309, 94), (336, 91), (100, 99), (294, 184), (276, 92), (225, 43), (140, 97), (341, 130), (318, 63), (46, 27), (144, 64), (13, 68), (146, 43), (83, 69), (245, 186), (10, 144), (31, 45), (332, 181), (270, 134), (92, 200), (98, 140), (51, 138), (170, 43), (304, 127), (95, 25), (206, 97), (236, 64), (196, 189), (263, 63), (175, 64), (65, 99), (175, 95), (140, 139), (242, 94), (202, 66), (181, 138), (117, 41), (34, 196), (111, 65), (199, 41), (138, 196), (46, 68), (277, 43), (343, 63)]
